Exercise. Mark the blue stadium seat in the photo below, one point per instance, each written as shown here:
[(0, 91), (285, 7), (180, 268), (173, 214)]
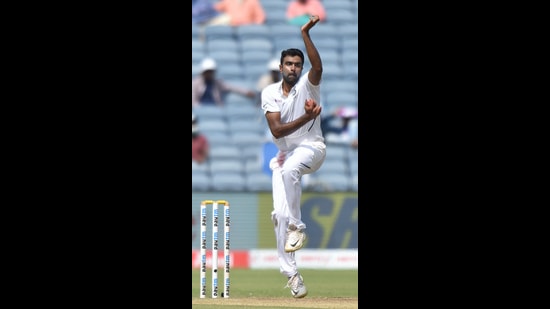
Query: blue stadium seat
[(195, 31), (230, 71), (285, 31), (253, 31), (341, 85), (238, 126), (200, 182), (195, 70), (349, 44), (256, 56), (324, 30), (332, 71), (337, 152), (223, 152), (270, 5), (330, 56), (218, 138), (209, 113), (341, 16), (224, 181), (224, 57), (234, 100), (331, 5), (348, 31), (341, 98), (258, 182), (219, 32), (334, 166), (242, 139), (256, 44), (197, 56), (207, 125), (334, 182), (221, 44), (280, 44), (228, 165), (245, 112), (275, 17), (202, 168), (197, 45)]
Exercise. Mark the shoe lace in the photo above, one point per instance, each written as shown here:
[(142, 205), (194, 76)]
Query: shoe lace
[(294, 282)]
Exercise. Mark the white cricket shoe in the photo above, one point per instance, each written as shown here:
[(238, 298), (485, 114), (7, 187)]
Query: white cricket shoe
[(297, 287), (295, 239)]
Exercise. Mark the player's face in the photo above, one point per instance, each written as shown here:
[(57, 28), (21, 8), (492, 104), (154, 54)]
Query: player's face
[(292, 69)]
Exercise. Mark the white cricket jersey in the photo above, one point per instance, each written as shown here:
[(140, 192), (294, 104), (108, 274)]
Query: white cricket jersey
[(292, 107)]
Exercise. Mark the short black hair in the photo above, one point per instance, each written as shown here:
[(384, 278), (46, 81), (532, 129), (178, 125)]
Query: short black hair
[(292, 52)]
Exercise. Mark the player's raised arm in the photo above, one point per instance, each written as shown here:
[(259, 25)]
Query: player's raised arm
[(312, 53)]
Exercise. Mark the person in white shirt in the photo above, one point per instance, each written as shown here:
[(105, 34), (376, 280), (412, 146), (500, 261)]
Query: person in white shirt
[(292, 109)]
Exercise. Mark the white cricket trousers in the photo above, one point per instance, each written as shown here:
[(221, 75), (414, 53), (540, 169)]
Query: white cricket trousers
[(287, 194)]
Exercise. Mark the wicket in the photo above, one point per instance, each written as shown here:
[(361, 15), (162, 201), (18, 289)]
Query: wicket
[(226, 268)]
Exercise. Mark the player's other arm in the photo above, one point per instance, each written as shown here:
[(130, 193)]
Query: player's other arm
[(279, 129)]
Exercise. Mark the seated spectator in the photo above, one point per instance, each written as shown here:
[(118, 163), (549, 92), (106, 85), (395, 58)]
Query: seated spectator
[(201, 148), (341, 126), (240, 12), (206, 88), (203, 12), (272, 75), (299, 11)]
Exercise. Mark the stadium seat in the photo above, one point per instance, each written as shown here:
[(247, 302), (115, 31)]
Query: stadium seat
[(331, 5), (230, 71), (224, 57), (332, 71), (258, 182), (207, 125), (337, 152), (348, 31), (224, 181), (226, 164), (285, 31), (341, 98), (256, 44), (241, 138), (202, 168), (252, 31), (275, 16), (219, 32), (240, 126), (197, 46), (334, 182), (221, 44), (334, 166), (245, 111), (209, 113), (341, 85), (324, 30), (200, 182), (280, 44), (257, 57), (223, 152), (341, 16)]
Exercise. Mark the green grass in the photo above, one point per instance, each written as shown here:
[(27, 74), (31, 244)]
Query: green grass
[(248, 283)]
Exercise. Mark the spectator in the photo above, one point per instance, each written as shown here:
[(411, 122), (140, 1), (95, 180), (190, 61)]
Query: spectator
[(208, 89), (299, 11), (240, 12), (201, 147), (203, 12), (272, 75), (341, 126)]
